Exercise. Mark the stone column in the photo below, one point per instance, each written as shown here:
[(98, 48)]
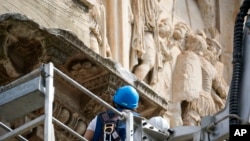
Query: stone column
[(118, 30)]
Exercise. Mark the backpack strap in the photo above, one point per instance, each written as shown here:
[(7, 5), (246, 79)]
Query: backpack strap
[(98, 129), (106, 120), (110, 126)]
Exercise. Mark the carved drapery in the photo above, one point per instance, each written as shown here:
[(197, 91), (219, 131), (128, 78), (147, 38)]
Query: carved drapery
[(99, 75), (25, 44)]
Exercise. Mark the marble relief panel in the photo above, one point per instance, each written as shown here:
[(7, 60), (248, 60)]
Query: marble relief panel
[(176, 58)]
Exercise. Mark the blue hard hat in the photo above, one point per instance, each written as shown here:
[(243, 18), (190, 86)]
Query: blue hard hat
[(127, 97)]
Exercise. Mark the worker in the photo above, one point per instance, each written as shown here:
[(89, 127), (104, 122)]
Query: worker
[(157, 123), (160, 123), (107, 125)]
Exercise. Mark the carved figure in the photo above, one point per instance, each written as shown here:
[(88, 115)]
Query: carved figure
[(187, 77), (145, 42), (98, 38), (219, 88), (187, 69), (204, 105), (179, 34), (178, 41), (175, 46), (163, 86)]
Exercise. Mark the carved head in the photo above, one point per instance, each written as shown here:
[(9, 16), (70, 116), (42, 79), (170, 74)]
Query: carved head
[(195, 43), (208, 55), (165, 28), (214, 47), (180, 30)]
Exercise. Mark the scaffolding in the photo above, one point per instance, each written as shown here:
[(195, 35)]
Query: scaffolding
[(36, 90)]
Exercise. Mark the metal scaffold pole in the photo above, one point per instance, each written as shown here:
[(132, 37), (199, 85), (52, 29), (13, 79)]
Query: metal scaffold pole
[(49, 98), (89, 93), (41, 87)]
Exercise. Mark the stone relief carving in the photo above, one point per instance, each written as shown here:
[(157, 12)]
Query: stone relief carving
[(187, 79), (187, 73), (82, 69), (98, 37), (163, 86), (154, 54), (69, 55), (180, 72), (69, 117), (94, 107), (61, 112), (183, 87), (207, 8), (175, 45), (178, 39), (219, 86), (203, 104), (148, 47), (207, 101), (137, 42), (197, 85), (20, 53), (25, 54)]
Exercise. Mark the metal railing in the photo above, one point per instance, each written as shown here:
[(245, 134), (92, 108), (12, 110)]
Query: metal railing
[(47, 78)]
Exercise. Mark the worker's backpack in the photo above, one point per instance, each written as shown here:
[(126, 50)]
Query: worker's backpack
[(109, 127)]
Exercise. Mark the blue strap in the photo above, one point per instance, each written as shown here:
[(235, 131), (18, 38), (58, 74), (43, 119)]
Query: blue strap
[(98, 134), (98, 129)]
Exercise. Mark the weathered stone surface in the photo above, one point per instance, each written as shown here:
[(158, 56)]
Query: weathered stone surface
[(66, 14), (85, 39), (27, 45)]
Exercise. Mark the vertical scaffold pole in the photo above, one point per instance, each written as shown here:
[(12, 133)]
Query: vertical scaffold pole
[(49, 98), (129, 126)]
